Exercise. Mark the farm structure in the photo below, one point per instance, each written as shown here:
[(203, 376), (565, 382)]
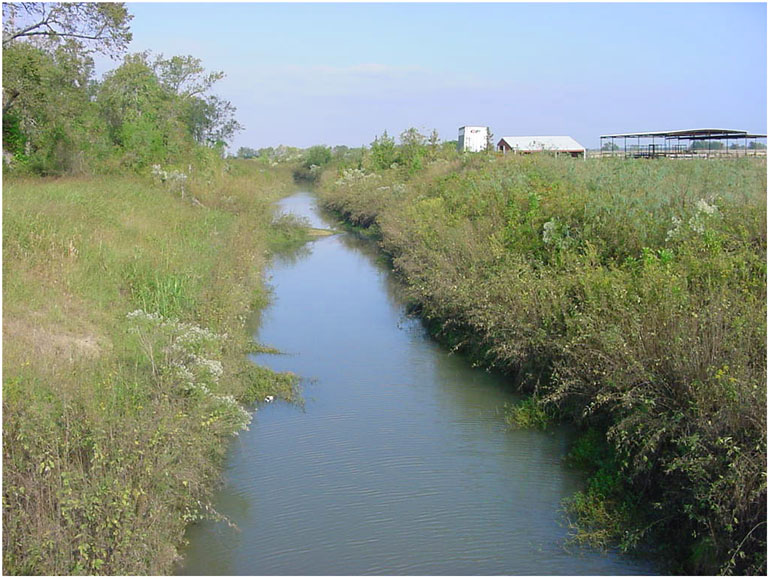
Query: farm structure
[(473, 139), (556, 145), (684, 143)]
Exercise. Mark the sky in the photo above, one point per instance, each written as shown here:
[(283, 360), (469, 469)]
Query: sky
[(341, 74)]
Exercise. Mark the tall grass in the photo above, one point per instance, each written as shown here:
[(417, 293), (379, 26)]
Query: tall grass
[(628, 295), (124, 367)]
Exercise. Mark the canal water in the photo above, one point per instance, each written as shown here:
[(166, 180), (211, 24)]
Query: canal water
[(399, 460)]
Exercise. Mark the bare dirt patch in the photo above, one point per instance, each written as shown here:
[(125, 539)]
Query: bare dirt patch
[(39, 341)]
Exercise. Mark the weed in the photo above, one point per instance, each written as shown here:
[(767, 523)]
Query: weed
[(627, 294), (115, 425)]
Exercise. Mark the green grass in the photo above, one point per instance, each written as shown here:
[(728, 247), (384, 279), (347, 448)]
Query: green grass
[(626, 294), (115, 426)]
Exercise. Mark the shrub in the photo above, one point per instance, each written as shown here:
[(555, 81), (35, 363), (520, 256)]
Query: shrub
[(625, 294)]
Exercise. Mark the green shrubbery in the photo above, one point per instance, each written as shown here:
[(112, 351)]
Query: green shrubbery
[(124, 360), (629, 295), (58, 119)]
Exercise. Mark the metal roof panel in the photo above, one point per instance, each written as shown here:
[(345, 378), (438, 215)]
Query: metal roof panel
[(543, 143)]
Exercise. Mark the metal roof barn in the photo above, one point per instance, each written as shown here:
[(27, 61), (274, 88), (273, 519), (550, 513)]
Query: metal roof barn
[(539, 144)]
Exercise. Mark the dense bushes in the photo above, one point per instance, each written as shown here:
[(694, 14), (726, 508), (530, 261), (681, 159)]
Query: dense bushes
[(629, 295), (58, 119)]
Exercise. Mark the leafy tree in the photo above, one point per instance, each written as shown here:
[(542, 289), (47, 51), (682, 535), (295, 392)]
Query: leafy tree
[(413, 149), (139, 114), (156, 112), (49, 121), (50, 124), (33, 28), (185, 75), (210, 119), (757, 145), (383, 151), (340, 151), (266, 152), (610, 146), (707, 145), (56, 118), (247, 153), (318, 155), (95, 26), (434, 142)]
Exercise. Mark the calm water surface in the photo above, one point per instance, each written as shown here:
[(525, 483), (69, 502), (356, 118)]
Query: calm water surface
[(399, 462)]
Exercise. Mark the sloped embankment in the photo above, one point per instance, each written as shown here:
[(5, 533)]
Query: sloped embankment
[(124, 360), (630, 296)]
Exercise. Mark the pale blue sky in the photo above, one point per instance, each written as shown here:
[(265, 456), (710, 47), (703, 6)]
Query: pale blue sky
[(303, 74)]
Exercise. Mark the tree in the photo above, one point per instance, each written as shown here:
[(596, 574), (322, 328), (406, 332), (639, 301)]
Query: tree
[(318, 155), (156, 112), (267, 153), (57, 118), (142, 119), (247, 153), (383, 151), (610, 146), (413, 149), (490, 141), (340, 151), (48, 27), (434, 144), (185, 75), (210, 119), (49, 121), (96, 27), (708, 145)]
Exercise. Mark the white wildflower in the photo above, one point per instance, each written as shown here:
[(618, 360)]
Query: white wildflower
[(674, 231), (704, 207), (549, 231), (696, 225), (351, 177)]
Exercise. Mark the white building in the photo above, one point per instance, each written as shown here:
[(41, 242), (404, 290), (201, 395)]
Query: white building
[(473, 139), (555, 145)]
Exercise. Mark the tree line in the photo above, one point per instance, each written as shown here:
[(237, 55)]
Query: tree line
[(59, 119)]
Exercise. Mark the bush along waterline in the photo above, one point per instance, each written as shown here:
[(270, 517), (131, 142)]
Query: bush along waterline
[(628, 297), (125, 369)]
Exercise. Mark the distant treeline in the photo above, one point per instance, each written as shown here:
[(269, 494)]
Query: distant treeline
[(58, 119), (411, 153)]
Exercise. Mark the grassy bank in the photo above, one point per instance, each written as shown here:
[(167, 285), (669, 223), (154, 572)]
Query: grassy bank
[(627, 295), (124, 358)]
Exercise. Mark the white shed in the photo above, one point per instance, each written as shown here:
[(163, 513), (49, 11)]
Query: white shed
[(473, 139), (556, 145)]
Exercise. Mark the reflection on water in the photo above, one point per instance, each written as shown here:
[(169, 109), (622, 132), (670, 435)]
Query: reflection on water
[(399, 462)]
